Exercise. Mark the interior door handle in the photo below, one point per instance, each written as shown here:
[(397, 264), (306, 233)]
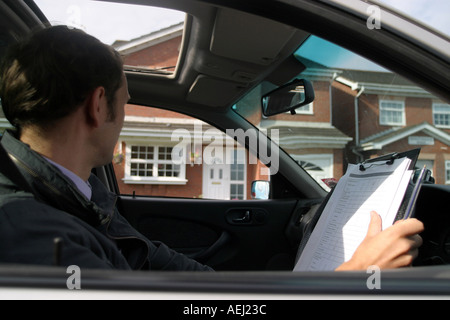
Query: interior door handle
[(246, 218)]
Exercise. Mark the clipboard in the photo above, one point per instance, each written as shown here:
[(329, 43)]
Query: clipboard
[(413, 155), (407, 207), (373, 169), (409, 212)]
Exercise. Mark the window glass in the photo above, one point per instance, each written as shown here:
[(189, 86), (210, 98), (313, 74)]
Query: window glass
[(152, 162), (447, 172), (308, 109), (238, 175), (139, 31), (392, 113), (167, 154), (441, 113)]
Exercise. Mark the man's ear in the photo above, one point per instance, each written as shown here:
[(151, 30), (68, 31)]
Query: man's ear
[(96, 107)]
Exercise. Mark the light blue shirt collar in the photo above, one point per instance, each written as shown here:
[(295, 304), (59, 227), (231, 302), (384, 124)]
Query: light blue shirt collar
[(83, 186)]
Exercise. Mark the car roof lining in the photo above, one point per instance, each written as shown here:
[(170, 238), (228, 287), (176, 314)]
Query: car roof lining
[(217, 68)]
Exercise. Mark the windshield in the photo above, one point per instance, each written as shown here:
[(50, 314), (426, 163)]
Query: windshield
[(360, 111)]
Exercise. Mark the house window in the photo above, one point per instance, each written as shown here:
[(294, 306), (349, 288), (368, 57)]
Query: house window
[(308, 109), (447, 172), (392, 113), (237, 176), (152, 165), (319, 166), (441, 115)]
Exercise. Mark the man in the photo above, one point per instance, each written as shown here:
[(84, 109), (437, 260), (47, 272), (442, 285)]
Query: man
[(65, 92)]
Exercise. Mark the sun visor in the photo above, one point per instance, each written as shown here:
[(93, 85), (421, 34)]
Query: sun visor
[(249, 38), (213, 92)]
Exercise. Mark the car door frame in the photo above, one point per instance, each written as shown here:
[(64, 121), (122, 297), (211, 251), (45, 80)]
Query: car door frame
[(262, 244), (413, 283)]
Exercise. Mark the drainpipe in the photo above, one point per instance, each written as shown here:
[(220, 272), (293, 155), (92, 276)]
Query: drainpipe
[(331, 96), (357, 143)]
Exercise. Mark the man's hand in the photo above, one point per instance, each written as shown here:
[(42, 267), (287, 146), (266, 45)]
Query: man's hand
[(395, 247)]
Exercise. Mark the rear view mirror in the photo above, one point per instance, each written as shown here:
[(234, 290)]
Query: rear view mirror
[(287, 98), (260, 190)]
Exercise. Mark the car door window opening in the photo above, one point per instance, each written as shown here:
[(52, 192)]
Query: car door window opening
[(240, 122)]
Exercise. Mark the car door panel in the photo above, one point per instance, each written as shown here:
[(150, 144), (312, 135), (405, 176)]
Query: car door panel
[(226, 235)]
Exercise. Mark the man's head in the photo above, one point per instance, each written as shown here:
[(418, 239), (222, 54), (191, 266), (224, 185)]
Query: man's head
[(52, 73)]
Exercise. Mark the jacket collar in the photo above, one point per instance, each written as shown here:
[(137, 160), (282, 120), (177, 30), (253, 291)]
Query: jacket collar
[(52, 187)]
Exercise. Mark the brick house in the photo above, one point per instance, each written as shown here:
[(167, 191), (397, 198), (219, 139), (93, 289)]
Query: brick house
[(392, 114), (143, 160), (383, 114), (386, 113), (310, 136), (143, 163)]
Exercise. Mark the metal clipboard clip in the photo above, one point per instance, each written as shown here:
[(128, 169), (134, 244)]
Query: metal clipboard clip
[(390, 159)]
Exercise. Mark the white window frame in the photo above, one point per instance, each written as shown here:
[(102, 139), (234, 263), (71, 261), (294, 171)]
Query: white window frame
[(392, 123), (155, 179), (447, 113), (447, 172), (307, 109), (241, 160)]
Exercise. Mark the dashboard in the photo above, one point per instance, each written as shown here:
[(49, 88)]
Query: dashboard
[(434, 211)]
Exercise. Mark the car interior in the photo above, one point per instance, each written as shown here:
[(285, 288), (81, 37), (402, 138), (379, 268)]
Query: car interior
[(228, 49)]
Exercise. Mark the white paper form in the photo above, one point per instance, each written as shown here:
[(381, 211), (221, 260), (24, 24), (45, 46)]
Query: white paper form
[(345, 220)]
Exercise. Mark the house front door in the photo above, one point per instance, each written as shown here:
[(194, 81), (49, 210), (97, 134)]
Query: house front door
[(216, 181)]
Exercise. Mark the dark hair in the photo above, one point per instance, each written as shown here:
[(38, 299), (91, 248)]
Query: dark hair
[(50, 74)]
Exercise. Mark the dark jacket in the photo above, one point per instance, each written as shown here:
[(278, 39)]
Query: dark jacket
[(93, 234)]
